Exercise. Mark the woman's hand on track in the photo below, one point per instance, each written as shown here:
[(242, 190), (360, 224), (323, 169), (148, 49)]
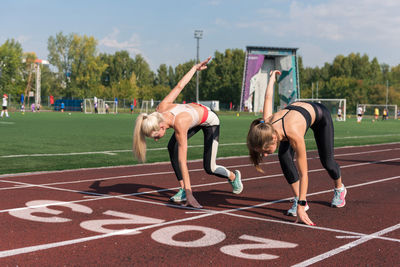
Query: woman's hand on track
[(192, 202), (303, 217)]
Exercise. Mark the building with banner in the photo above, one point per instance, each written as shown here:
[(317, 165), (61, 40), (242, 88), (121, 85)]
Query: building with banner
[(259, 61)]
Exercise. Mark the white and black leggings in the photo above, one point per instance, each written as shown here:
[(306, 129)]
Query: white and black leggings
[(324, 137), (210, 130)]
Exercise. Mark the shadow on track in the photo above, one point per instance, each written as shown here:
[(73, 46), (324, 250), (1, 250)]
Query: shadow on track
[(210, 199)]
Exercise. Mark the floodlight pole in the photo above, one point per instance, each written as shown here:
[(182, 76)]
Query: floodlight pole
[(387, 92), (198, 34)]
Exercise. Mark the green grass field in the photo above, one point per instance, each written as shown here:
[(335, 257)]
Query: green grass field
[(58, 141)]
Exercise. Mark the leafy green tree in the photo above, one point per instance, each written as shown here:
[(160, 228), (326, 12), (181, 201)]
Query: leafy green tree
[(223, 79), (61, 58), (11, 67), (86, 66), (49, 83), (119, 67), (79, 67), (144, 75), (162, 76)]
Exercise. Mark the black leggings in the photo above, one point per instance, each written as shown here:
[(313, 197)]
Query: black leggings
[(323, 134), (211, 138)]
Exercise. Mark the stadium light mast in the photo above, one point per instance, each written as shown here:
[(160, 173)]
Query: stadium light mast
[(198, 34), (387, 92)]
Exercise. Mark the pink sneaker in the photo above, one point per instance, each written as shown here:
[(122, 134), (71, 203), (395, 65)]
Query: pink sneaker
[(339, 200)]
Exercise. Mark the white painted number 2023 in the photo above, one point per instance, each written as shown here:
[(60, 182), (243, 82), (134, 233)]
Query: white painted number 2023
[(37, 208)]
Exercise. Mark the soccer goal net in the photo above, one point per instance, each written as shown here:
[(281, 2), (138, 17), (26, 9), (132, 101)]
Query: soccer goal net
[(377, 110), (111, 107), (149, 106), (91, 107), (337, 106)]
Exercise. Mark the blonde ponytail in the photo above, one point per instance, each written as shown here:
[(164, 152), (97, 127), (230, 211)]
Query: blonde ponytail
[(144, 126)]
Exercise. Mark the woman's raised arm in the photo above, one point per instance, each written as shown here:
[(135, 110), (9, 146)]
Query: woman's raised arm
[(170, 98), (269, 94)]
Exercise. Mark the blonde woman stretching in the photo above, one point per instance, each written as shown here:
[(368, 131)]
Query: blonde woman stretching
[(186, 120), (287, 128)]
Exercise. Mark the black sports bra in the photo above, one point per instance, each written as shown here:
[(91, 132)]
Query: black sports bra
[(303, 112)]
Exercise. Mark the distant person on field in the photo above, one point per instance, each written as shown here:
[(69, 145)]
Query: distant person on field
[(132, 108), (4, 106), (286, 129), (359, 114), (107, 108), (376, 113), (186, 120), (33, 109), (38, 107), (23, 108), (339, 114), (62, 106), (385, 114), (95, 105)]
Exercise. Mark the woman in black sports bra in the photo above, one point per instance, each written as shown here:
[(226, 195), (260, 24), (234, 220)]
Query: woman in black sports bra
[(287, 128)]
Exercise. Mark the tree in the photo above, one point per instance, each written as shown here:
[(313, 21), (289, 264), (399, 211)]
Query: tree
[(86, 67), (60, 57), (162, 76), (223, 79), (79, 67), (11, 67), (144, 75)]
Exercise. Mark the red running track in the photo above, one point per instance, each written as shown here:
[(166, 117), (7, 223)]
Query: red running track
[(121, 216)]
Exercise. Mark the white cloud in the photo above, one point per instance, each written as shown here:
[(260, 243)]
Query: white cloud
[(338, 20), (23, 38), (214, 2), (343, 20), (131, 45)]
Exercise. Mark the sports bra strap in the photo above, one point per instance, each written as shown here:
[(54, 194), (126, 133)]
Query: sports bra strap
[(283, 124)]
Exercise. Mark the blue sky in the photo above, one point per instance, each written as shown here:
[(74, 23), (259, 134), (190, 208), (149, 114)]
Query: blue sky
[(163, 31)]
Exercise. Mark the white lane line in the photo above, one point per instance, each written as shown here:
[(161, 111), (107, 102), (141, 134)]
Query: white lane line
[(18, 251), (99, 196), (196, 170), (104, 196), (24, 174), (347, 237), (346, 246), (114, 152)]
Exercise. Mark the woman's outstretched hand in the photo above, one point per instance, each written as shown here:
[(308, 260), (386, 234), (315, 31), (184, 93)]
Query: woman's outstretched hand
[(191, 201), (203, 65), (303, 217)]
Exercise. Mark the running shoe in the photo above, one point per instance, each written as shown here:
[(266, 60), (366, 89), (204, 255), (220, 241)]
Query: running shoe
[(339, 200), (237, 186), (179, 197), (293, 210)]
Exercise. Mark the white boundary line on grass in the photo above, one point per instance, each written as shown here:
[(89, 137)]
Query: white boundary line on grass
[(113, 152)]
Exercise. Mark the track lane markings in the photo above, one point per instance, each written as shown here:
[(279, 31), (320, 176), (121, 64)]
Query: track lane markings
[(364, 237)]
